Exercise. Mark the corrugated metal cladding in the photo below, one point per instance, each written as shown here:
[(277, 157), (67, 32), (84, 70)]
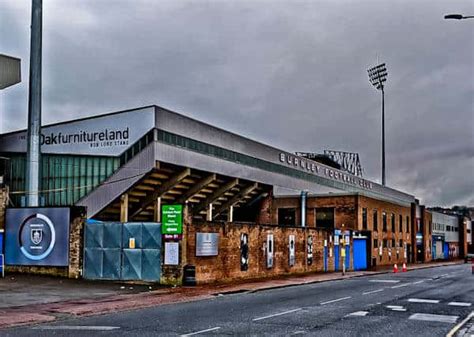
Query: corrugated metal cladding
[(10, 71), (64, 179)]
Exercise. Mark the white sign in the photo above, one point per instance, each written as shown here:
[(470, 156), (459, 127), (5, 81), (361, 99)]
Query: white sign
[(107, 135), (207, 244), (292, 244), (172, 253), (270, 249)]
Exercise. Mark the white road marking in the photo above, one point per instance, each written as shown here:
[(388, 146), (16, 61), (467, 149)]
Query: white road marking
[(421, 300), (76, 327), (400, 285), (418, 282), (385, 281), (277, 314), (336, 300), (298, 333), (373, 291), (202, 331), (399, 309), (434, 318), (460, 304), (394, 307), (358, 314)]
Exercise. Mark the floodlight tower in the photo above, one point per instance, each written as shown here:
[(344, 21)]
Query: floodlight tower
[(378, 76)]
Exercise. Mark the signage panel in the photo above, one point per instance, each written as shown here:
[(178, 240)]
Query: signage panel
[(108, 135), (172, 219), (172, 253), (207, 244), (270, 250), (292, 244), (37, 236)]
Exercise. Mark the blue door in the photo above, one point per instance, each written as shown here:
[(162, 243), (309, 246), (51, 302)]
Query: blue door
[(336, 258), (360, 254), (446, 250)]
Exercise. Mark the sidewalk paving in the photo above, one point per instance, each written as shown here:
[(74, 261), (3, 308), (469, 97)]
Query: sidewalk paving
[(32, 299)]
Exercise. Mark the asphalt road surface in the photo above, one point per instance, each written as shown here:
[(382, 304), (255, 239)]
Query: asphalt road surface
[(425, 302)]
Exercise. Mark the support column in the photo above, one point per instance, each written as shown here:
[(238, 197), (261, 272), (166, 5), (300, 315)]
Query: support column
[(231, 214), (209, 212), (124, 208), (157, 210)]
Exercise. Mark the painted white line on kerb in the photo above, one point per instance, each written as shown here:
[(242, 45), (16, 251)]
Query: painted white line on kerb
[(400, 285), (76, 327), (460, 304), (434, 318), (421, 300), (385, 281), (277, 314), (202, 331), (373, 291), (336, 300)]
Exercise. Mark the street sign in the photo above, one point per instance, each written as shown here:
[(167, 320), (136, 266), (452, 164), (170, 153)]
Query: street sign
[(172, 219)]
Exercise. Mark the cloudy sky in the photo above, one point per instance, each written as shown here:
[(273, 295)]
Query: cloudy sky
[(287, 73)]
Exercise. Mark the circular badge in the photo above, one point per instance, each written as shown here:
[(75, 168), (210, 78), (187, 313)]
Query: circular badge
[(37, 237)]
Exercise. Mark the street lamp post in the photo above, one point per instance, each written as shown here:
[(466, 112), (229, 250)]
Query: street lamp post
[(377, 77)]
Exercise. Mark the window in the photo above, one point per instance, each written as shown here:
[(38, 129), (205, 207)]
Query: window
[(401, 243), (393, 243), (384, 221), (325, 217), (375, 220), (393, 223), (287, 216), (364, 218), (385, 243), (376, 243), (400, 223), (408, 224)]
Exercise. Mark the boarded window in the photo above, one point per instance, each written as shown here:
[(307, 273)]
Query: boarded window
[(287, 216), (325, 217)]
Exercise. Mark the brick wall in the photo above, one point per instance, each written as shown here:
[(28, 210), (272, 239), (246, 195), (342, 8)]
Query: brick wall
[(348, 210), (3, 205), (226, 266)]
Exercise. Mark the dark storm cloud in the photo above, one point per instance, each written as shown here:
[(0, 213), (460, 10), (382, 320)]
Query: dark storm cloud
[(291, 74)]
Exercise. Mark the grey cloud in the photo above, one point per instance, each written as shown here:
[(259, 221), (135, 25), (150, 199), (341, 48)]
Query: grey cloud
[(291, 74)]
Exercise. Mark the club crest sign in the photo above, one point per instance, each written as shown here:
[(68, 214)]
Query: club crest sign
[(37, 236)]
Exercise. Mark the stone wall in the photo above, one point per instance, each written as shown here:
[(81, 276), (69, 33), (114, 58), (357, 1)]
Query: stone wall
[(226, 266)]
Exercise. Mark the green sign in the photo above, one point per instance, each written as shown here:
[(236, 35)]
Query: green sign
[(172, 219)]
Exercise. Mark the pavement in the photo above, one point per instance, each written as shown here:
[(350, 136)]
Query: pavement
[(30, 300)]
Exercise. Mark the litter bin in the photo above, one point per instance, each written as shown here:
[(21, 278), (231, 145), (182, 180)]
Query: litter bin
[(189, 275)]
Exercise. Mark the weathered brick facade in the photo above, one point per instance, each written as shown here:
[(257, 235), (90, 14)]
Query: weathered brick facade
[(226, 267), (348, 215), (3, 205)]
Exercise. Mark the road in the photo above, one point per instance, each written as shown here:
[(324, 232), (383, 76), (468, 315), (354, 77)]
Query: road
[(425, 302)]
